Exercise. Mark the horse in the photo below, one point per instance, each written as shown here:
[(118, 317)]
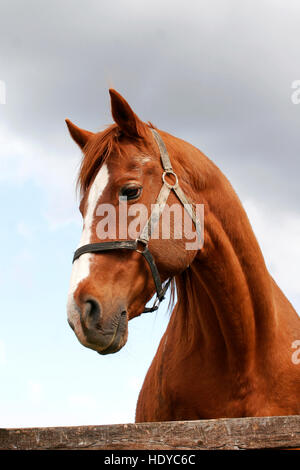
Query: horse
[(227, 350)]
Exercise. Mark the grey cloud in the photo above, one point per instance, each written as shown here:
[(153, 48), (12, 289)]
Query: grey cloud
[(215, 73)]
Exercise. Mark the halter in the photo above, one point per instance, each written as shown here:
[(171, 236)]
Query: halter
[(140, 245)]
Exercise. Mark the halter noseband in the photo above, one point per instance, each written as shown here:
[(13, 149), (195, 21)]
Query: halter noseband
[(141, 244)]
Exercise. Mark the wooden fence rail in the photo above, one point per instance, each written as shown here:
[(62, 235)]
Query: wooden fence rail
[(238, 433)]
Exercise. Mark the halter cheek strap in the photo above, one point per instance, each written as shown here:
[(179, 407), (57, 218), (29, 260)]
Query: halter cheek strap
[(141, 244), (164, 194)]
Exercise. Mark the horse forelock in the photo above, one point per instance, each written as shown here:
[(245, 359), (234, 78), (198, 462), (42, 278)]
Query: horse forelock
[(95, 153), (99, 148)]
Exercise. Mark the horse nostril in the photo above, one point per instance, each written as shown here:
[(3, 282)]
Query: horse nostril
[(91, 313)]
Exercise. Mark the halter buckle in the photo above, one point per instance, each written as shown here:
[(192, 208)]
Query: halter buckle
[(166, 173), (142, 242)]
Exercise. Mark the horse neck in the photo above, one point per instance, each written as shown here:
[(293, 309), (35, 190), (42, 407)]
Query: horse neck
[(225, 301)]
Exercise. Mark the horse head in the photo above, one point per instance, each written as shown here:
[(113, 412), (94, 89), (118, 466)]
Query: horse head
[(121, 177)]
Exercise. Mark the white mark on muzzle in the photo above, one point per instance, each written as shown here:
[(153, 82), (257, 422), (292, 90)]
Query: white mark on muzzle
[(81, 266)]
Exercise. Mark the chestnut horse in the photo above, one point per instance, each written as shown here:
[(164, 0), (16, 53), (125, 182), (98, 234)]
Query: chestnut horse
[(227, 350)]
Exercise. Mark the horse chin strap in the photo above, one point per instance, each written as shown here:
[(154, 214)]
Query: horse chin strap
[(140, 245)]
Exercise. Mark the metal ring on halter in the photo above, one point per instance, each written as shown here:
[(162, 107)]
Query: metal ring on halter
[(143, 242), (166, 173)]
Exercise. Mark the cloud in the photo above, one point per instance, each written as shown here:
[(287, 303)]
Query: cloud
[(278, 233), (53, 173), (218, 74)]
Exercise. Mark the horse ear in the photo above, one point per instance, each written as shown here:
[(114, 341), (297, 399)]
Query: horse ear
[(123, 115), (79, 135)]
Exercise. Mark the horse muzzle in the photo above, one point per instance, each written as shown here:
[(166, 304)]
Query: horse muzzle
[(105, 332)]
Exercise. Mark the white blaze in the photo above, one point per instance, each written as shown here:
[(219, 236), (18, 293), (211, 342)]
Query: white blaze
[(81, 266)]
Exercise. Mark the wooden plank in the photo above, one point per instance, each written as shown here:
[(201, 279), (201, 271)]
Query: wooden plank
[(238, 433)]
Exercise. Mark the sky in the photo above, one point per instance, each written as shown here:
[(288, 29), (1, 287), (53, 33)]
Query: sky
[(217, 73)]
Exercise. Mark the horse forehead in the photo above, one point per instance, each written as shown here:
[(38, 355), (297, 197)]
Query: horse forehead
[(97, 188), (134, 158), (101, 180)]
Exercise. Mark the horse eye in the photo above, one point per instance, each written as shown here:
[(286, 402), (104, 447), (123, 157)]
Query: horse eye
[(130, 192)]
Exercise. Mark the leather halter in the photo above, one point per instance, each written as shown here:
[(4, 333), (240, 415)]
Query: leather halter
[(141, 244)]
